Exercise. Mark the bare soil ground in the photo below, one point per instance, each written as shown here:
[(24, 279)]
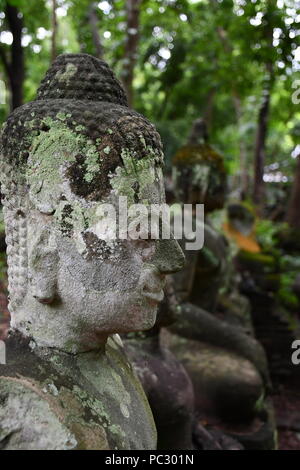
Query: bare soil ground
[(287, 408)]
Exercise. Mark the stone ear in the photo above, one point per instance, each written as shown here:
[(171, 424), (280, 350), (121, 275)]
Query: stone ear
[(43, 263)]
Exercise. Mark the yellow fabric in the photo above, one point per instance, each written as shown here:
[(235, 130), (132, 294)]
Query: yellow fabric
[(247, 243)]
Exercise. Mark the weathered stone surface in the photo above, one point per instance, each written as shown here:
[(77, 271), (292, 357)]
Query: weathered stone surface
[(224, 382), (169, 391), (54, 400)]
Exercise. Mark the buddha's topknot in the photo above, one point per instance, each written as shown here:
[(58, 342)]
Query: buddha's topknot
[(81, 77)]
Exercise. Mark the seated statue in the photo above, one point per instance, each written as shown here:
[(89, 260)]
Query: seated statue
[(67, 383), (169, 388), (213, 339)]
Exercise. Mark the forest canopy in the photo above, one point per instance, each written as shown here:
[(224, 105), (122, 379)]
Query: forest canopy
[(234, 63), (211, 324)]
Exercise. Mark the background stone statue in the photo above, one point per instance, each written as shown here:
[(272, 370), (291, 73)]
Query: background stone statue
[(67, 383), (167, 385), (169, 388), (214, 341)]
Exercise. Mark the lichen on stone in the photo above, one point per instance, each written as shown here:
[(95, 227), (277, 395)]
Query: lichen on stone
[(47, 149), (70, 71), (130, 180)]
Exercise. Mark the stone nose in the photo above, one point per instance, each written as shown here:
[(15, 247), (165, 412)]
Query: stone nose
[(169, 257)]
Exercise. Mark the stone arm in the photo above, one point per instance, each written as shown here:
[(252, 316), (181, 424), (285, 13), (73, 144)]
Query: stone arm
[(30, 419), (27, 422), (197, 324)]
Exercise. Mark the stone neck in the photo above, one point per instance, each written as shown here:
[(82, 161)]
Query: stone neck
[(49, 339)]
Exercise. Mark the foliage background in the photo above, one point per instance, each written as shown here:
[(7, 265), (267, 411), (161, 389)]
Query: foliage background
[(194, 58)]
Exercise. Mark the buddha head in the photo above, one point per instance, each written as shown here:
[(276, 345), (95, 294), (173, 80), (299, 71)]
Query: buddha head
[(199, 171), (74, 150)]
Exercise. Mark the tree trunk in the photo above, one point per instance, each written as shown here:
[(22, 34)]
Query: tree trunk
[(93, 22), (262, 124), (244, 178), (208, 112), (260, 146), (293, 213), (131, 44), (54, 31), (15, 68), (244, 175)]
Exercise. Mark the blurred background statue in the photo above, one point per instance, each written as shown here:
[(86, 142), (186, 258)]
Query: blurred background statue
[(213, 336)]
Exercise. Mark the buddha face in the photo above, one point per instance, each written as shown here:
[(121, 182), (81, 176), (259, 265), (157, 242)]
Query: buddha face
[(94, 286)]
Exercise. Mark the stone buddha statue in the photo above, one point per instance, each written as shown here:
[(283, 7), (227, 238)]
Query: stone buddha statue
[(227, 365), (66, 159)]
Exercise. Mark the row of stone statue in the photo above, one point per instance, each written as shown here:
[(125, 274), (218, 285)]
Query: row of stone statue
[(188, 373)]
